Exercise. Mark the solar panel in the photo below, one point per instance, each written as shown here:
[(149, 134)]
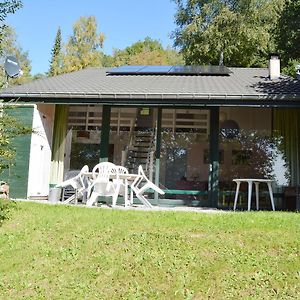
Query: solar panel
[(125, 70), (200, 70), (170, 70), (155, 70), (185, 70), (141, 70)]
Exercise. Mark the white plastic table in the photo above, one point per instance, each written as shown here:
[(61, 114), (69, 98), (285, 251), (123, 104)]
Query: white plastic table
[(256, 183), (128, 180)]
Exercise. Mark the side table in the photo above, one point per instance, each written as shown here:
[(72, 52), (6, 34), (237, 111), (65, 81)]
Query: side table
[(256, 183)]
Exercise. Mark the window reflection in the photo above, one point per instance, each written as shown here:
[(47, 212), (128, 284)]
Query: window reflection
[(184, 153), (253, 151)]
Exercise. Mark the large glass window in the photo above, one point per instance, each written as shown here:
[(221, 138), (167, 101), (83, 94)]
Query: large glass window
[(184, 153), (82, 145), (250, 149), (131, 138), (253, 143)]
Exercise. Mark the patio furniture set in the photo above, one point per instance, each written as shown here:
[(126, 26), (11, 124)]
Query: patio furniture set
[(109, 180)]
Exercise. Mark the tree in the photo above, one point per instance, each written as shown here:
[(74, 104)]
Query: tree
[(236, 32), (291, 67), (146, 52), (55, 63), (10, 46), (83, 47), (288, 36), (8, 43), (10, 128), (288, 30), (7, 7)]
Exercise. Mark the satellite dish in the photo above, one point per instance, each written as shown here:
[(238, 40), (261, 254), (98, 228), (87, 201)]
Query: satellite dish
[(12, 67)]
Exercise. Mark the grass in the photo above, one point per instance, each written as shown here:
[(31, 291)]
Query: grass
[(67, 252)]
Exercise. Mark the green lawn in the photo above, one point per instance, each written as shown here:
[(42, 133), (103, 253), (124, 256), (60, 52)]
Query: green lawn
[(68, 252)]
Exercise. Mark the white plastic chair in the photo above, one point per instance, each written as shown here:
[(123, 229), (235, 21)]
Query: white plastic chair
[(78, 183), (102, 168), (141, 184), (102, 185), (121, 184)]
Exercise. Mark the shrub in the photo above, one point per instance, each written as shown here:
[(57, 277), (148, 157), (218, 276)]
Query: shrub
[(290, 69), (5, 208)]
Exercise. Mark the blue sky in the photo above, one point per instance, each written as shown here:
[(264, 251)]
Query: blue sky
[(122, 21)]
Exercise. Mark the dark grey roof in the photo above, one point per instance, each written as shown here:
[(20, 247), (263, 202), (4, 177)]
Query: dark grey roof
[(94, 85)]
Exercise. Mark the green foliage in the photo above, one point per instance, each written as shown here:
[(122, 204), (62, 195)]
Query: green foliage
[(55, 63), (238, 30), (10, 46), (6, 207), (83, 47), (288, 32), (146, 52), (107, 60), (290, 68), (83, 50), (10, 128), (39, 76), (63, 252), (7, 7)]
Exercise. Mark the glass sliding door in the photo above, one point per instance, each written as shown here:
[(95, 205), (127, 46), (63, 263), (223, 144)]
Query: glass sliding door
[(185, 154)]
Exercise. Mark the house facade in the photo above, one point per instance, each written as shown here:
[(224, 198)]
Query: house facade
[(193, 133)]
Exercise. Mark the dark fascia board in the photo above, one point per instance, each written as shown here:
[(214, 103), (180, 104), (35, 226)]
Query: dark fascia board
[(166, 100), (293, 103)]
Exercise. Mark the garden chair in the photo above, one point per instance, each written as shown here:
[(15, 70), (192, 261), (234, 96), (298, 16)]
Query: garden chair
[(121, 184), (79, 183), (140, 185), (102, 184)]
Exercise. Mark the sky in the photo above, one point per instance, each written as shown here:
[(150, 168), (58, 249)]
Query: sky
[(123, 23)]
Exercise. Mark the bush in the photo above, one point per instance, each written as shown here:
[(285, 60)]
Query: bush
[(5, 208), (290, 69)]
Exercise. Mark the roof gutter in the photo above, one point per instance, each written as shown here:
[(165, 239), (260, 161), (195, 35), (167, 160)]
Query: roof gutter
[(155, 98)]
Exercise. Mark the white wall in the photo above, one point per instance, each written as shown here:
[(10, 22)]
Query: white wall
[(40, 151)]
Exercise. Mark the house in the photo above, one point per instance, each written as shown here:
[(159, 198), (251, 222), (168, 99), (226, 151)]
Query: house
[(194, 129)]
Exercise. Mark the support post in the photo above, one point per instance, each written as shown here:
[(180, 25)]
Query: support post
[(213, 180), (157, 151), (105, 129), (297, 171)]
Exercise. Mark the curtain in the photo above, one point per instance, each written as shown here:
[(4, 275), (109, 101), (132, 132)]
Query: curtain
[(58, 145), (287, 128)]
